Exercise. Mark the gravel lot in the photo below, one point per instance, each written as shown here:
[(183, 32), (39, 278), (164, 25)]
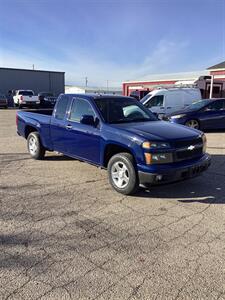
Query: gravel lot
[(65, 234)]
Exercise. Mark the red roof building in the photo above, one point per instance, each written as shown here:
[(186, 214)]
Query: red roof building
[(148, 83)]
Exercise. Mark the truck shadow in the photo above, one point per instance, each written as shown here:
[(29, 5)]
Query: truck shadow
[(58, 157), (209, 188)]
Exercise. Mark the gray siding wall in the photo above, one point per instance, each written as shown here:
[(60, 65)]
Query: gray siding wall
[(38, 81)]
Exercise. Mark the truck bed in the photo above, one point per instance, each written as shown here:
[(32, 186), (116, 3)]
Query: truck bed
[(44, 111), (39, 119)]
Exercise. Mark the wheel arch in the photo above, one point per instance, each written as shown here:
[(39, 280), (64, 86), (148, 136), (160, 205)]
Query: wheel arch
[(112, 149), (29, 129)]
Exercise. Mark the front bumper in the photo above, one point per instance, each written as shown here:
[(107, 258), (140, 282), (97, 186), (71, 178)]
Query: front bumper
[(175, 174)]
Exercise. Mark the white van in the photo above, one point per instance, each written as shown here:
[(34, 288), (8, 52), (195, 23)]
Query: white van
[(166, 101)]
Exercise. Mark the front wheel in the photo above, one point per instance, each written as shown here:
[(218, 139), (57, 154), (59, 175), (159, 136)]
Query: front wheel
[(122, 174), (35, 148), (193, 124)]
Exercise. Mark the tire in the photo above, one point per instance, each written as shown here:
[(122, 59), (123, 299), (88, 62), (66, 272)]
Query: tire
[(35, 148), (193, 124), (126, 182)]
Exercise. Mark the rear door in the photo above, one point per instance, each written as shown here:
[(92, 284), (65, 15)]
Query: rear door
[(213, 115), (82, 140), (58, 125)]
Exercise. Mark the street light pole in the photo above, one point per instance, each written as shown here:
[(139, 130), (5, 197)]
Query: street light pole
[(211, 87), (86, 81)]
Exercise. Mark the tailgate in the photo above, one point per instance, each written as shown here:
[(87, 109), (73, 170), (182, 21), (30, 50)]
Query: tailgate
[(30, 99)]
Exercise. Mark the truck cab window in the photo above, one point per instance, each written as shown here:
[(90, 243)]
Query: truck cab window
[(61, 108), (79, 108)]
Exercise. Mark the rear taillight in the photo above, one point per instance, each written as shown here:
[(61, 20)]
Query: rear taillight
[(21, 98)]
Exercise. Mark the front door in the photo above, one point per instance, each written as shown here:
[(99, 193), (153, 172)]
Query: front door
[(82, 140), (156, 104), (213, 115)]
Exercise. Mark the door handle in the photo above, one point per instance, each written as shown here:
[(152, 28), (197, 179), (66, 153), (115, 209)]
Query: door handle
[(168, 107), (68, 127)]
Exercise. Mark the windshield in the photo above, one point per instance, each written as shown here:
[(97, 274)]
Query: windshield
[(146, 97), (123, 110), (198, 105), (26, 93)]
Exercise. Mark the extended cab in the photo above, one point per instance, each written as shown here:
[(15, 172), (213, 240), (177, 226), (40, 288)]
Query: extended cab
[(25, 98), (119, 134)]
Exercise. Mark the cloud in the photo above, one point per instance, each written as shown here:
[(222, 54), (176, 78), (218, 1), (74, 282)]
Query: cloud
[(78, 63)]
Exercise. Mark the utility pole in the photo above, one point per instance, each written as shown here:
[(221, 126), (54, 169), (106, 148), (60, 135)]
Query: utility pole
[(86, 81), (107, 85), (33, 66)]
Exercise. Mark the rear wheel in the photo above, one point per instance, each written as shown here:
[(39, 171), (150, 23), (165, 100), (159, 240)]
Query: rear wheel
[(35, 148), (193, 124), (122, 174)]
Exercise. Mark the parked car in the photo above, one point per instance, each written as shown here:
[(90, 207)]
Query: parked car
[(204, 114), (47, 99), (3, 101), (166, 101), (26, 98), (119, 134)]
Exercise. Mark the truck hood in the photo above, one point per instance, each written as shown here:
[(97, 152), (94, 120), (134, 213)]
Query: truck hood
[(159, 130)]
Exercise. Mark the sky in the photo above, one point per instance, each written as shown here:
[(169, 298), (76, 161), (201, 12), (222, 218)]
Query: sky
[(112, 40)]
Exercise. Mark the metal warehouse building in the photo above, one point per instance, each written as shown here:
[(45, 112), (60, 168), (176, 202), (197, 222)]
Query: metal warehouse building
[(36, 80)]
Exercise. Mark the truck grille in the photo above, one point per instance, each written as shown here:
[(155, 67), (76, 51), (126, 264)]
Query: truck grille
[(187, 143), (188, 154), (188, 149)]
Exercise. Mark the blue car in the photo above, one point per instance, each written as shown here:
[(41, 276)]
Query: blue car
[(204, 114)]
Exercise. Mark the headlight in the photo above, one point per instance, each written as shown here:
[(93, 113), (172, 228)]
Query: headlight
[(177, 116), (158, 158), (155, 145), (204, 141)]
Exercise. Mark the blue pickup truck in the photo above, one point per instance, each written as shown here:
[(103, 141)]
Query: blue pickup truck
[(119, 134)]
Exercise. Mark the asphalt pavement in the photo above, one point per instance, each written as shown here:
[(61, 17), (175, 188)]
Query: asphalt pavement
[(65, 234)]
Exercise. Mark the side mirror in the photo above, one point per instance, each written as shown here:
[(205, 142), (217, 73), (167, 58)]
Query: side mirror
[(87, 120)]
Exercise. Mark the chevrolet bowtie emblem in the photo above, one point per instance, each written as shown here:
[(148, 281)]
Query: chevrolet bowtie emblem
[(191, 147)]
